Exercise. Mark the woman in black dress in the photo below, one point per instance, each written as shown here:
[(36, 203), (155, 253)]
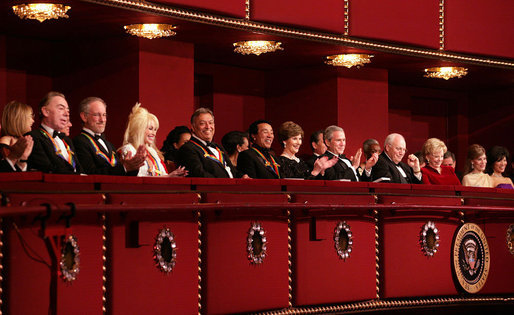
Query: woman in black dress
[(291, 136)]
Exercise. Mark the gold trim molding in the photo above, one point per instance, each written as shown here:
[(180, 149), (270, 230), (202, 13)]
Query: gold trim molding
[(243, 24)]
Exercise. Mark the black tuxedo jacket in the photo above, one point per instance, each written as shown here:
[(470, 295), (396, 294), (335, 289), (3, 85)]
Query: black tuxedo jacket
[(339, 171), (43, 157), (311, 160), (6, 167), (93, 163), (252, 164), (386, 168), (193, 158)]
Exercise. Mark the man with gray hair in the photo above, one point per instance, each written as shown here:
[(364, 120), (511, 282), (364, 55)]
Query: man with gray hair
[(200, 156), (346, 169), (95, 153), (390, 167)]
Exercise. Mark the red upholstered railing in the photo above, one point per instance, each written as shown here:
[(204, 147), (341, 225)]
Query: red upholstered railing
[(210, 220)]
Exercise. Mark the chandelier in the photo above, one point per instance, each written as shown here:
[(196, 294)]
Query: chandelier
[(256, 47), (41, 11), (445, 72), (348, 60), (150, 31)]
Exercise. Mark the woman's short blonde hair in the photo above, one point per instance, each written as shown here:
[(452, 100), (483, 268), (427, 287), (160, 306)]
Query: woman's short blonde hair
[(433, 145), (288, 130), (15, 119), (137, 123)]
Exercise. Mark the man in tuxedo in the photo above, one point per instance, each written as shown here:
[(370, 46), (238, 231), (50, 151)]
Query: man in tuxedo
[(95, 153), (390, 165), (200, 156), (318, 148), (53, 152), (14, 157), (258, 161), (335, 140)]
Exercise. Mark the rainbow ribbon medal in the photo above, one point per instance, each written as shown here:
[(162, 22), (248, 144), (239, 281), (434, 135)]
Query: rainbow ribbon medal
[(273, 166), (70, 159), (112, 161)]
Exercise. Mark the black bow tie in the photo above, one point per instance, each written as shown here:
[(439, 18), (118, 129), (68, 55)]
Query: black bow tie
[(58, 134), (98, 137), (342, 156), (210, 144)]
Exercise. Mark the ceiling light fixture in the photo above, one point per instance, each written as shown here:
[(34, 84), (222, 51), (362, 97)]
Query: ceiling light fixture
[(445, 72), (257, 47), (348, 60), (41, 11), (150, 31)]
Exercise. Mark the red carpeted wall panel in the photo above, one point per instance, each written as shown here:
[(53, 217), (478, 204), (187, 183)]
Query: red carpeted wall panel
[(406, 271), (233, 7), (235, 285), (405, 21), (327, 15), (478, 27)]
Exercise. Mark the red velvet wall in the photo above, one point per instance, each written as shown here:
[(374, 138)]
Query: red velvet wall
[(477, 27), (306, 96), (166, 82), (362, 106), (414, 22)]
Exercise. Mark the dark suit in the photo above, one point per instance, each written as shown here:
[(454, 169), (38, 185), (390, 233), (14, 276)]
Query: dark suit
[(6, 167), (385, 167), (340, 170), (192, 156), (311, 160), (94, 163), (249, 162), (44, 158)]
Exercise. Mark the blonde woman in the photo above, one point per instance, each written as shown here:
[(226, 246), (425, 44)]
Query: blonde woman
[(141, 130), (475, 166), (434, 172), (17, 120)]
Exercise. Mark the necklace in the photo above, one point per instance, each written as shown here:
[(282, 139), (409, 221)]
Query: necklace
[(496, 175)]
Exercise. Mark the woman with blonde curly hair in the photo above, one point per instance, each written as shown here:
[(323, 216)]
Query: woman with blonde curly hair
[(141, 130), (434, 172), (474, 168)]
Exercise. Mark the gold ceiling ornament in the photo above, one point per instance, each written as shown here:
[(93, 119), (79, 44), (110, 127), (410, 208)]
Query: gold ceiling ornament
[(150, 31), (257, 47), (41, 11), (445, 72), (348, 60)]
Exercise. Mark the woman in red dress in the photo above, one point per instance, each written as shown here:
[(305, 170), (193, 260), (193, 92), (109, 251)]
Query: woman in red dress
[(434, 173)]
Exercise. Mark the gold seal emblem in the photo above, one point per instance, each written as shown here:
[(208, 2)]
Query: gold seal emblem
[(471, 257)]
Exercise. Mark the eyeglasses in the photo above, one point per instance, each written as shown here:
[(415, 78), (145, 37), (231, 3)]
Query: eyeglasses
[(98, 115), (400, 149)]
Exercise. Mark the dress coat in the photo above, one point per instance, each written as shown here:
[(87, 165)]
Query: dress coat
[(192, 156), (251, 163), (385, 167), (341, 170), (92, 162), (44, 158)]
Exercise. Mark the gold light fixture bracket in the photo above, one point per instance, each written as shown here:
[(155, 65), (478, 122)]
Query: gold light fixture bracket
[(348, 60), (41, 11), (445, 72), (256, 47), (151, 31)]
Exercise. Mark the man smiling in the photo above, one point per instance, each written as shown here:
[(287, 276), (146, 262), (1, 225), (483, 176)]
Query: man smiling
[(53, 152), (201, 156)]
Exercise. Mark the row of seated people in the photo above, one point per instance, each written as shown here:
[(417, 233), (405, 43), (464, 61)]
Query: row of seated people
[(47, 149)]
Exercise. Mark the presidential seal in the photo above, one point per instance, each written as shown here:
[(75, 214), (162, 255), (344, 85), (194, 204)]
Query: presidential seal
[(69, 262), (256, 243), (343, 241), (429, 239), (165, 251), (471, 257), (510, 239)]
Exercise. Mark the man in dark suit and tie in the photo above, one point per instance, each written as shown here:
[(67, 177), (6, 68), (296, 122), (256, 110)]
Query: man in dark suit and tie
[(259, 161), (53, 152), (335, 140), (95, 153), (318, 148), (390, 165), (201, 156)]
